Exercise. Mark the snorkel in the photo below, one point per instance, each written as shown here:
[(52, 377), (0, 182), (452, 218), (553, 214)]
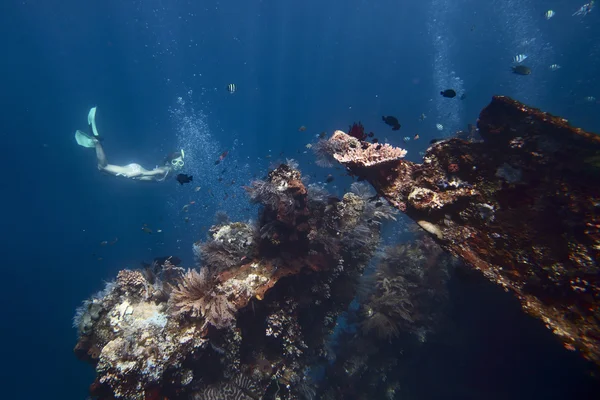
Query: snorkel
[(178, 163)]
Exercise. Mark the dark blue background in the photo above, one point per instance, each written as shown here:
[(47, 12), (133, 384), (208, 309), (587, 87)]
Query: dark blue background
[(313, 63)]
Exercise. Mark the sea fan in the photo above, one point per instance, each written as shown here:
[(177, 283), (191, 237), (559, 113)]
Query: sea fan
[(263, 192), (362, 190), (382, 325), (324, 150), (317, 194)]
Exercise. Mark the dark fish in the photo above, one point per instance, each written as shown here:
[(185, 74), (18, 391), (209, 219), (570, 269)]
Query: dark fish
[(375, 140), (333, 200), (449, 93), (371, 134), (322, 135), (231, 88), (463, 96), (391, 121), (329, 178), (183, 178), (432, 141), (521, 70)]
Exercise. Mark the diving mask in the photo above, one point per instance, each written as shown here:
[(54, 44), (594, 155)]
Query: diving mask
[(178, 163)]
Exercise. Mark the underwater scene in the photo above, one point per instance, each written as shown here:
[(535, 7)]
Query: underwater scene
[(261, 199)]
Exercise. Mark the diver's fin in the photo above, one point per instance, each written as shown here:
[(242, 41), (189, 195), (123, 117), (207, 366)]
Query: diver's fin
[(83, 139), (92, 120)]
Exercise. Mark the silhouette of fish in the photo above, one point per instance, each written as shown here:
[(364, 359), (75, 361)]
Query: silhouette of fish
[(521, 70), (183, 178), (392, 121), (449, 93)]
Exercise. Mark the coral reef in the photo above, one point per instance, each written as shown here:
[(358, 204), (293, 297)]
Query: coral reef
[(401, 303), (521, 206), (252, 317)]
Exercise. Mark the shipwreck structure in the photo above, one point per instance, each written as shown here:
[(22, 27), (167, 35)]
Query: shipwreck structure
[(522, 206), (256, 316)]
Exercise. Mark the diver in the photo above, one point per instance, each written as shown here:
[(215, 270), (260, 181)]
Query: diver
[(173, 162)]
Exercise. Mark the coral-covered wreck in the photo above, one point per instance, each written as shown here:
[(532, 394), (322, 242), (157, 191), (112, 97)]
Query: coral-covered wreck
[(256, 320), (253, 318), (522, 206)]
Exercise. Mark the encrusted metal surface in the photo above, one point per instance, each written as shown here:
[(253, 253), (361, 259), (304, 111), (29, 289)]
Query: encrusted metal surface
[(522, 206)]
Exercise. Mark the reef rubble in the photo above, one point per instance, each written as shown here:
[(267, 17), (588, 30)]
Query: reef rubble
[(522, 206)]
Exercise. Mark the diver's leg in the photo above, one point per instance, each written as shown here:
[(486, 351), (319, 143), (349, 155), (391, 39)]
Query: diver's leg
[(102, 162)]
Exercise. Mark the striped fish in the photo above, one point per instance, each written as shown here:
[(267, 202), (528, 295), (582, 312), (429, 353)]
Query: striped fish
[(231, 88), (519, 58)]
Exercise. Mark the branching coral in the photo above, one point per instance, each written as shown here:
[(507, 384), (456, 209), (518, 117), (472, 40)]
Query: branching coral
[(350, 150)]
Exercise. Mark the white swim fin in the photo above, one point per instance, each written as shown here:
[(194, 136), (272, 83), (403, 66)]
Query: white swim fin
[(92, 120), (83, 139)]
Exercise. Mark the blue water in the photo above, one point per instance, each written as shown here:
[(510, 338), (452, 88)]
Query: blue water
[(157, 70)]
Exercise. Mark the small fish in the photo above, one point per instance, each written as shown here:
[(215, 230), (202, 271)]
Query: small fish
[(186, 220), (433, 141), (521, 70), (159, 231), (104, 243), (416, 136), (439, 127), (322, 135), (112, 242), (185, 208), (422, 117), (449, 93), (308, 146), (554, 67), (519, 58), (183, 178), (590, 99), (222, 157), (197, 189), (463, 96), (302, 128), (146, 229), (329, 178), (392, 121), (584, 9), (406, 139), (549, 14), (231, 88), (371, 134)]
